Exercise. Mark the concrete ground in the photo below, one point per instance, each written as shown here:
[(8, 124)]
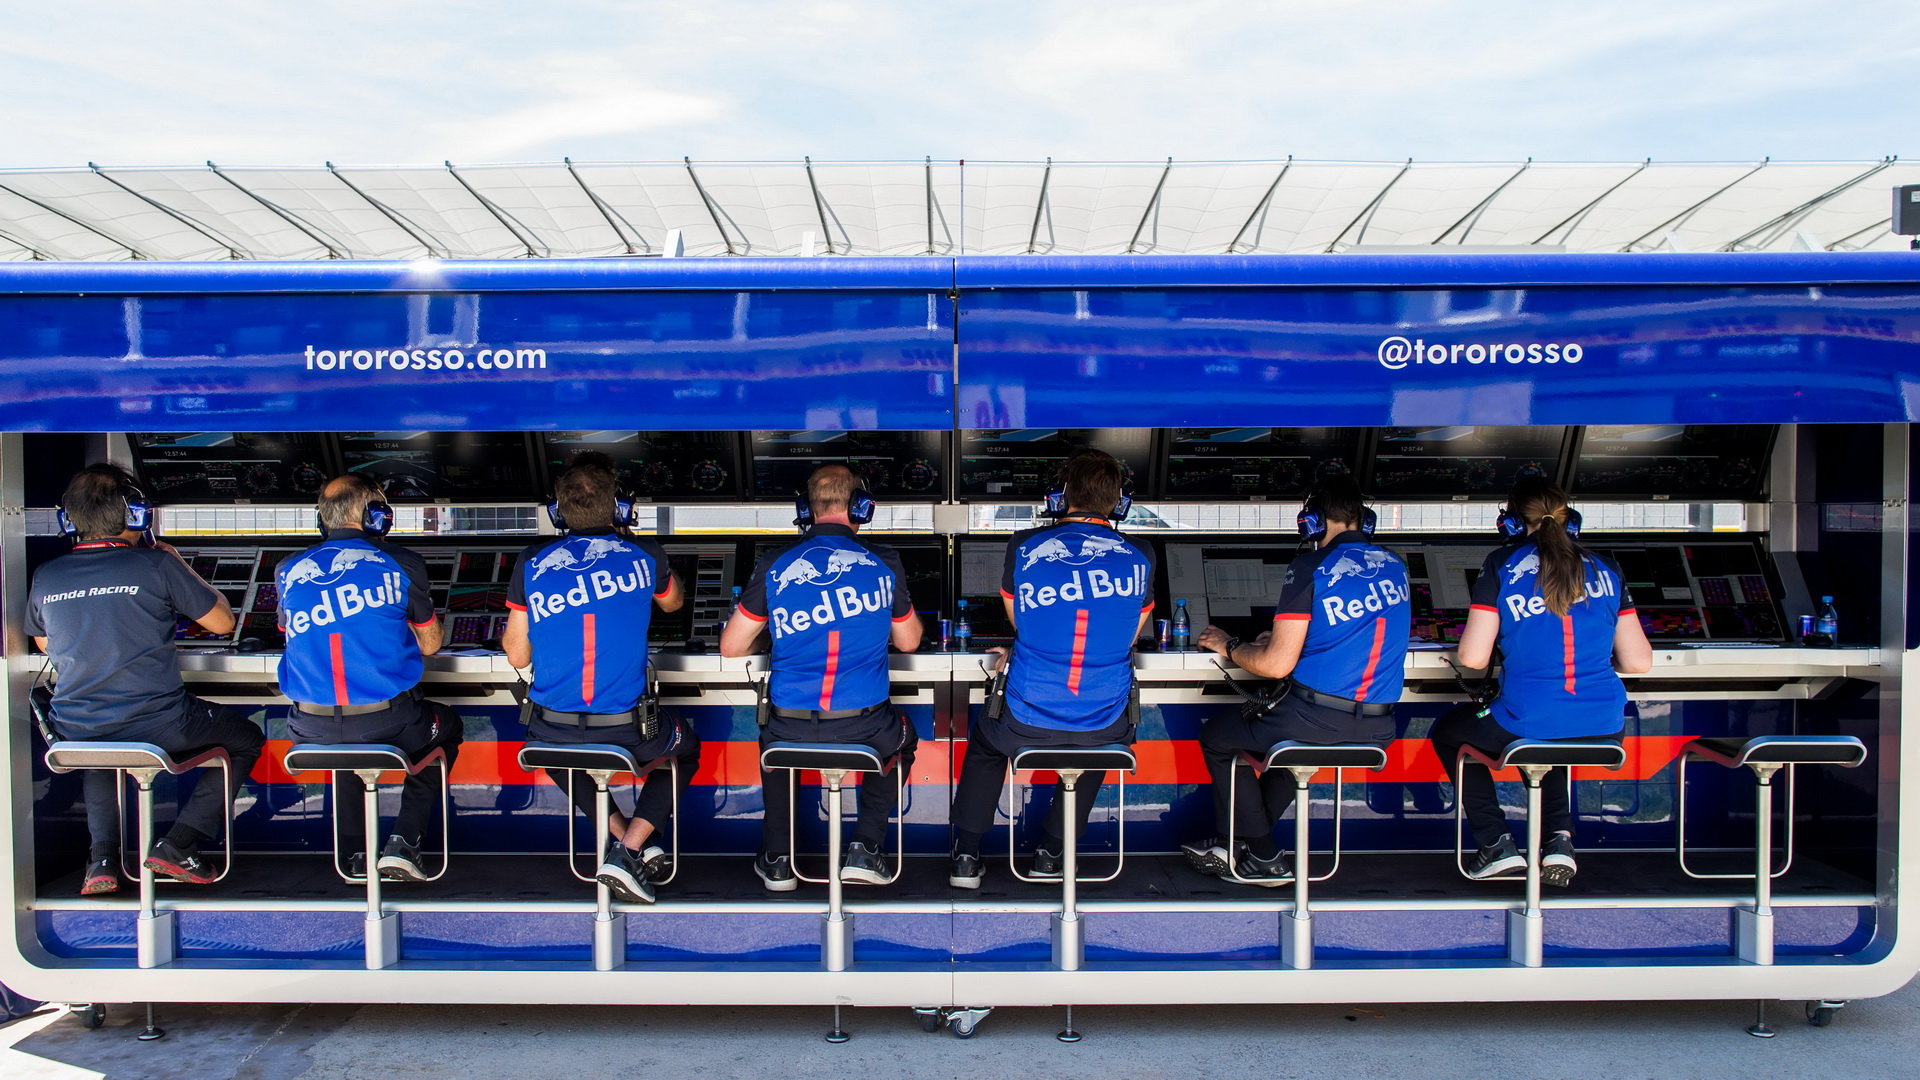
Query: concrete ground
[(1667, 1040)]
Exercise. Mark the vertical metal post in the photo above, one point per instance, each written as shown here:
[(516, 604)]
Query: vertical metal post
[(837, 942), (1068, 945), (155, 941), (1753, 927), (609, 929), (1525, 940), (1296, 944), (382, 927)]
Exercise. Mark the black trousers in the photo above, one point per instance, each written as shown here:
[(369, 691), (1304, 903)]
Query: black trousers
[(204, 725), (657, 797), (412, 724), (983, 775), (1469, 724), (881, 728), (1258, 807)]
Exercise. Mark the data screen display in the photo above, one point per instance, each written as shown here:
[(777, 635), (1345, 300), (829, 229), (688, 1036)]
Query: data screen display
[(1022, 464), (232, 466), (1461, 461), (659, 466), (1255, 463), (460, 466), (893, 464), (1699, 461)]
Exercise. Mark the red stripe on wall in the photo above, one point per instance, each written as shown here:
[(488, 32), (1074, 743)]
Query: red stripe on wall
[(1079, 652), (335, 650), (833, 666)]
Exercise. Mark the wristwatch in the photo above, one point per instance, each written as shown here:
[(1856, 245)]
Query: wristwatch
[(1232, 644)]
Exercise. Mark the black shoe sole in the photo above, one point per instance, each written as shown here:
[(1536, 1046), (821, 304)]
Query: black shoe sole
[(1205, 863), (776, 884), (1557, 876), (399, 873), (619, 887)]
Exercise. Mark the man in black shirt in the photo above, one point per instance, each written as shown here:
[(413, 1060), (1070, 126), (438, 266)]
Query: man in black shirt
[(104, 614)]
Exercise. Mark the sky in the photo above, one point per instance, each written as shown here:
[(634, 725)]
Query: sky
[(485, 81)]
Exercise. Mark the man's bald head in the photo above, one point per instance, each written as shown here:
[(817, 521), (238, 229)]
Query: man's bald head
[(830, 491), (343, 502)]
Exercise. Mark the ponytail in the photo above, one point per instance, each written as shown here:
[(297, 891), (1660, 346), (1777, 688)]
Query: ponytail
[(1563, 564)]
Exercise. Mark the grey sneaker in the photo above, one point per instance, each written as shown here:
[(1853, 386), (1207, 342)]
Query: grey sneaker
[(657, 862), (400, 861), (1047, 865), (775, 872), (965, 871), (623, 875), (1496, 860), (1557, 865), (1210, 856), (863, 866), (1267, 873)]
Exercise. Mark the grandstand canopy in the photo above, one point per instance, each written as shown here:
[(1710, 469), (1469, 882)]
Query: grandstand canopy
[(566, 209)]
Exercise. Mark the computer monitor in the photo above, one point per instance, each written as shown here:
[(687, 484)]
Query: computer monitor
[(1020, 464), (1255, 463), (905, 465), (1461, 461), (1681, 461), (232, 466), (658, 466), (456, 466)]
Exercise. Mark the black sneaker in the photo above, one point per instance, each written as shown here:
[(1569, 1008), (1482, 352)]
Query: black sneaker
[(965, 871), (1047, 865), (102, 877), (656, 862), (400, 861), (357, 866), (1556, 860), (775, 872), (1267, 873), (863, 866), (1496, 860), (624, 876), (179, 864), (1210, 856)]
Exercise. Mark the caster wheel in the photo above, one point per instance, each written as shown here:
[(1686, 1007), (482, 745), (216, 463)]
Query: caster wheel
[(92, 1016), (1820, 1015), (929, 1019), (963, 1029)]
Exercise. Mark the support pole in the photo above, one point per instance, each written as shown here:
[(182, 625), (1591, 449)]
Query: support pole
[(837, 942), (382, 927), (609, 929), (1296, 947), (156, 940), (1753, 927), (1068, 944), (1525, 939)]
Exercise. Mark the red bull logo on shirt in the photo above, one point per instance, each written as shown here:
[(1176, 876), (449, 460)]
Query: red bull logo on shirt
[(1363, 565), (1379, 596), (845, 602), (1061, 549), (1523, 607), (308, 571), (819, 566), (346, 600), (588, 587), (1082, 584), (575, 555)]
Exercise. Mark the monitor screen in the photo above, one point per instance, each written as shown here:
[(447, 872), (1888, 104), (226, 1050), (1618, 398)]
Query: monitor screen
[(1461, 461), (981, 564), (706, 573), (1021, 464), (1255, 463), (232, 466), (1232, 586), (424, 466), (659, 466), (1704, 461), (1715, 590), (893, 464)]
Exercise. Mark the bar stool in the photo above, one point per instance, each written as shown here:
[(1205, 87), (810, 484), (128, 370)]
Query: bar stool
[(1534, 758), (1303, 760), (833, 761), (1765, 755), (1069, 950), (600, 761), (367, 761), (156, 940)]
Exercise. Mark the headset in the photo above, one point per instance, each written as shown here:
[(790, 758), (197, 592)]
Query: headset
[(1312, 520), (1056, 506), (376, 519), (139, 509), (860, 505), (1511, 524), (623, 512)]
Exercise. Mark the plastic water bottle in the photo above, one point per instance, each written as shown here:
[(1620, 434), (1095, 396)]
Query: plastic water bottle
[(962, 630), (1181, 634), (1826, 624)]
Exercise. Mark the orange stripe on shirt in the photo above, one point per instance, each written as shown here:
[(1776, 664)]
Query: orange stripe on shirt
[(1079, 652), (833, 666), (338, 655), (589, 652), (1373, 659), (1566, 647)]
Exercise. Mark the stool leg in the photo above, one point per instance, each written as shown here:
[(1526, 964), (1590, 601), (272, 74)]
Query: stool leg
[(155, 941), (837, 940), (609, 929), (1525, 940), (1753, 927), (1068, 945), (1296, 944), (382, 927)]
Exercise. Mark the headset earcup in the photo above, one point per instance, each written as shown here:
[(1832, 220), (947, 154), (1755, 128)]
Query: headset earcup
[(66, 523), (802, 512), (1573, 522), (860, 507), (1369, 521), (623, 511), (1122, 508), (377, 518), (554, 515)]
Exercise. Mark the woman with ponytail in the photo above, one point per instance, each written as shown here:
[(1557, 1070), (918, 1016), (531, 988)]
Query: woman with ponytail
[(1565, 629)]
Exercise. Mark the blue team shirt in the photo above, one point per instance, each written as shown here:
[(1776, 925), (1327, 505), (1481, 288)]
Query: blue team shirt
[(831, 602), (348, 605), (1353, 596), (1077, 590), (1556, 671), (589, 600)]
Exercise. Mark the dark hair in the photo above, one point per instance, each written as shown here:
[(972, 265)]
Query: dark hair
[(343, 502), (1339, 499), (830, 489), (96, 500), (1092, 481), (1563, 571), (586, 491)]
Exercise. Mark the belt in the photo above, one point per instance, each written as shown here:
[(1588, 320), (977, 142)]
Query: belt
[(821, 714), (1346, 705), (350, 710), (619, 719)]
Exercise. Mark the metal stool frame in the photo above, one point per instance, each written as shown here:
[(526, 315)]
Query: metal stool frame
[(1302, 778), (1069, 944), (836, 945)]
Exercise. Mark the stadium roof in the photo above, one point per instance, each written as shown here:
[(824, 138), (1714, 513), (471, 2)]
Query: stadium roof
[(569, 209)]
